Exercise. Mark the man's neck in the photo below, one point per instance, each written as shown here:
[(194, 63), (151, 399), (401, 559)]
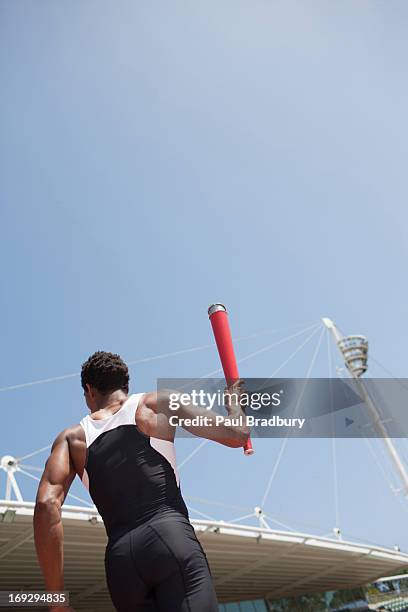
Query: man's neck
[(110, 402)]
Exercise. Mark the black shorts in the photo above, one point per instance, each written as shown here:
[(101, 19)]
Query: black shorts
[(160, 566)]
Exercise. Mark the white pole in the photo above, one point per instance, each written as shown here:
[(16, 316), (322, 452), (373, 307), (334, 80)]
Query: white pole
[(16, 488), (8, 488), (375, 416)]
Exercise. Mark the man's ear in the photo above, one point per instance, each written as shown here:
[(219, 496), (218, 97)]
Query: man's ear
[(89, 390)]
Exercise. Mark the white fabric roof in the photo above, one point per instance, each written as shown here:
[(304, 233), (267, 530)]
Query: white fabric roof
[(246, 562)]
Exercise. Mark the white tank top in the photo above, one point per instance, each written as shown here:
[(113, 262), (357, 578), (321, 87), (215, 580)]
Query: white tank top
[(125, 416)]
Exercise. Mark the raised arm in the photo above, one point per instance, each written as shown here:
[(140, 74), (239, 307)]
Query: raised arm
[(48, 532), (215, 427)]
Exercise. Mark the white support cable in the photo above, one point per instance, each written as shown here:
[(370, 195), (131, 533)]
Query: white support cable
[(284, 525), (209, 502), (383, 471), (379, 465), (210, 518), (270, 518), (252, 515), (52, 379), (208, 346), (242, 518), (205, 442), (30, 467), (315, 328), (387, 371), (402, 502), (312, 527), (333, 440), (274, 470), (287, 338), (387, 467), (191, 455), (44, 381), (29, 475), (285, 440), (402, 442), (84, 501), (264, 523), (40, 450), (295, 352)]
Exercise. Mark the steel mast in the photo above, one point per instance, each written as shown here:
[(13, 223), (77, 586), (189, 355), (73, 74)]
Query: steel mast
[(354, 350)]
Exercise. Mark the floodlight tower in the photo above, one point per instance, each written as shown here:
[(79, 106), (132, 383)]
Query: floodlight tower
[(354, 350)]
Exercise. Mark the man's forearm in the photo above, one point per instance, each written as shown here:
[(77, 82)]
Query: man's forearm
[(230, 430), (48, 536), (198, 420)]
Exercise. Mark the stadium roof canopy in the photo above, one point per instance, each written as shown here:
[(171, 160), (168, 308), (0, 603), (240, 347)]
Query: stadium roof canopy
[(246, 562)]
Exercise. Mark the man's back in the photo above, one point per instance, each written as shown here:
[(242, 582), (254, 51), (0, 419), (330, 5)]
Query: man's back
[(132, 477)]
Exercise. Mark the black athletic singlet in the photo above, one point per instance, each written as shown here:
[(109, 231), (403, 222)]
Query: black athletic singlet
[(153, 559)]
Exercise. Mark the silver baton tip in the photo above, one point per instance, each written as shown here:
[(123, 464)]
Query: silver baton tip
[(215, 308)]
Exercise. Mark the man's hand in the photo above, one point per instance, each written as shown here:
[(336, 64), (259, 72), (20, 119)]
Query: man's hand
[(234, 393)]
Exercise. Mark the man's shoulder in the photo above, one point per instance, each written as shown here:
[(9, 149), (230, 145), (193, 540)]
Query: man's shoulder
[(75, 432), (148, 399), (157, 400)]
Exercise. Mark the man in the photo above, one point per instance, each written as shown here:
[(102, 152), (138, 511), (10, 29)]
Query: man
[(123, 451)]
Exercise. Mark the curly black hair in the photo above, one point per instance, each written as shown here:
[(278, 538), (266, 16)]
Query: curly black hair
[(106, 372)]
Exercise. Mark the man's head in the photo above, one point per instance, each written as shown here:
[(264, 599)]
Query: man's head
[(102, 374)]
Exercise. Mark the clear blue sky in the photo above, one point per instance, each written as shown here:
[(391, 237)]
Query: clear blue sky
[(157, 157)]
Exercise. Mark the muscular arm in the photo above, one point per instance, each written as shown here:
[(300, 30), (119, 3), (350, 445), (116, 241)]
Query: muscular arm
[(225, 433), (48, 532)]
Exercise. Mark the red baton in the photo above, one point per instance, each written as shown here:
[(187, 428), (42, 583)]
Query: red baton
[(222, 334)]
